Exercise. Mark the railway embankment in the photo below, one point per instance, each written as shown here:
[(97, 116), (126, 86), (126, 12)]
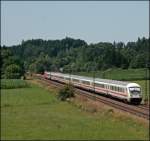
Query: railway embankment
[(141, 111)]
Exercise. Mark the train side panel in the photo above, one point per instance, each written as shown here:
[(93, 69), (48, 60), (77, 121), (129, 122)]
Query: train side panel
[(118, 91)]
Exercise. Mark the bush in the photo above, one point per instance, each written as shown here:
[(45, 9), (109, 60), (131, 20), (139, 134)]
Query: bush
[(66, 92), (13, 71)]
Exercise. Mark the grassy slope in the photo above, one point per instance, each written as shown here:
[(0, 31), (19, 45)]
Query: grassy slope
[(118, 74), (35, 113), (13, 83)]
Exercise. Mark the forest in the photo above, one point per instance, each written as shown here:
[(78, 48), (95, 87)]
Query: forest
[(72, 55)]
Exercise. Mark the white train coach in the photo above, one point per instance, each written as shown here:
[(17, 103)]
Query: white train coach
[(127, 91)]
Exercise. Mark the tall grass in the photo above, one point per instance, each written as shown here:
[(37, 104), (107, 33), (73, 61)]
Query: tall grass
[(13, 83)]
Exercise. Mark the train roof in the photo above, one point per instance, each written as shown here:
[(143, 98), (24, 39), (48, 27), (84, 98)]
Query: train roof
[(97, 80)]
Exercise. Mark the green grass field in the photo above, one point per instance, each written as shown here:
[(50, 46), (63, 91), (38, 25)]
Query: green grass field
[(35, 113), (118, 74), (13, 83)]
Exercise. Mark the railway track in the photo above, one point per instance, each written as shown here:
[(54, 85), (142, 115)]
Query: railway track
[(138, 110), (145, 107)]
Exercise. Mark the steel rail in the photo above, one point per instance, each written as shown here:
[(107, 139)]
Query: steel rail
[(144, 107)]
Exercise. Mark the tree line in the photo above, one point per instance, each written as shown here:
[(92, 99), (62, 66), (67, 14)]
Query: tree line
[(70, 54)]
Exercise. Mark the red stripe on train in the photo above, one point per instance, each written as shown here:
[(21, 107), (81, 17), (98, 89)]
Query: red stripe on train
[(103, 90)]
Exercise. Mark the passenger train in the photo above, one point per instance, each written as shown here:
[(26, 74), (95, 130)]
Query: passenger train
[(130, 92)]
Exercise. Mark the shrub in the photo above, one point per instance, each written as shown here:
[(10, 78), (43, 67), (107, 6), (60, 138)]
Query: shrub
[(13, 71), (66, 92)]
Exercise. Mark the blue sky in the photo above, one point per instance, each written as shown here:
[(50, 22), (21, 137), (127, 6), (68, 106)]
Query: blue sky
[(91, 21)]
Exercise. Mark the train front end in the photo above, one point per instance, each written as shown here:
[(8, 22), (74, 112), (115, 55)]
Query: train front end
[(47, 75), (135, 93)]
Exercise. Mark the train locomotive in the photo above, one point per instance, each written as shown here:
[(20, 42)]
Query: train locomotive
[(127, 91)]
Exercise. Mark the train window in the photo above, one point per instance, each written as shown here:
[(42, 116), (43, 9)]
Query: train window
[(75, 80), (99, 85), (86, 82), (106, 86), (61, 77), (111, 87), (121, 89), (67, 78), (135, 89), (116, 88), (96, 85)]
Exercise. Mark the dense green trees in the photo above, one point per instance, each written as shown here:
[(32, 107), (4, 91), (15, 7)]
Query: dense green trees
[(42, 63), (73, 55), (11, 65)]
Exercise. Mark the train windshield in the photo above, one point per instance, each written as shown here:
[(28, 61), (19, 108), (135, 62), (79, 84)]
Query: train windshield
[(135, 90)]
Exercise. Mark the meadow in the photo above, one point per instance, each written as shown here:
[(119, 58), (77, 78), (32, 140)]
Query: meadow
[(13, 83), (36, 113), (118, 74)]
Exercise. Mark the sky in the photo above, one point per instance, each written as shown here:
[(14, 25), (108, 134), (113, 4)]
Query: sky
[(93, 22)]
